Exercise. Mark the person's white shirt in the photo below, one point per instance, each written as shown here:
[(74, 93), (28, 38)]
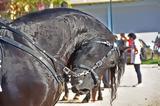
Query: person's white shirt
[(135, 58), (158, 50)]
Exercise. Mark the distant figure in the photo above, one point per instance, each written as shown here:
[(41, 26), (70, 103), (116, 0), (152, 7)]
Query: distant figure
[(135, 56), (64, 4), (158, 56)]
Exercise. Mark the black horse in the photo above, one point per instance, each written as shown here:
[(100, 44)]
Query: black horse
[(64, 28), (90, 60), (57, 32)]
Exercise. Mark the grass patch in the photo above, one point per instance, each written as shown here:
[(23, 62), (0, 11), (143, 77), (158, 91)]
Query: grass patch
[(155, 60), (151, 61)]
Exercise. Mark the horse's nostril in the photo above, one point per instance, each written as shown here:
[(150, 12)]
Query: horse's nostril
[(112, 62), (74, 89)]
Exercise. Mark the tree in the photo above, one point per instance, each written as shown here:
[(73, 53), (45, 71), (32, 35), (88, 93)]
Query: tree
[(17, 8)]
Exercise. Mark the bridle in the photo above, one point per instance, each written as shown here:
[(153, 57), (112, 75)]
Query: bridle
[(99, 63), (38, 55)]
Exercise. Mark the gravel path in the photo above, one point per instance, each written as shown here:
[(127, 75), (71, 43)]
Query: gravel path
[(146, 95)]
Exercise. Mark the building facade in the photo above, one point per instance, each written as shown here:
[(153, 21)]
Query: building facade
[(132, 16)]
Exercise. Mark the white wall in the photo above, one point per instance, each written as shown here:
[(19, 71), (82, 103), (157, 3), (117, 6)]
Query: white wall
[(99, 11), (136, 18)]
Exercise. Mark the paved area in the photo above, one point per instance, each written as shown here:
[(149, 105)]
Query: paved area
[(146, 95)]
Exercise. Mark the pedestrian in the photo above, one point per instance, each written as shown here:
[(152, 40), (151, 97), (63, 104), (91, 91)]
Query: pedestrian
[(135, 56)]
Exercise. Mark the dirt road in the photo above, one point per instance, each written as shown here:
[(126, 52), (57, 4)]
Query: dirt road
[(146, 95)]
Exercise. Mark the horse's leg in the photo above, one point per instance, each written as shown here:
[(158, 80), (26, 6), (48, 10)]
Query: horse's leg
[(106, 79), (113, 83), (87, 98), (94, 93), (76, 97), (66, 91), (1, 99), (99, 90)]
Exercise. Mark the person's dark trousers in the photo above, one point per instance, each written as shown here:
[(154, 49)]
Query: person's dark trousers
[(137, 69)]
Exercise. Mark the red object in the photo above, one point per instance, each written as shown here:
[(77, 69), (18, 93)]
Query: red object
[(130, 42), (40, 6), (3, 4)]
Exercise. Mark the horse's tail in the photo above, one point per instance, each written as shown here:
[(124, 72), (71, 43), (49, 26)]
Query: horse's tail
[(113, 84), (1, 61), (120, 69)]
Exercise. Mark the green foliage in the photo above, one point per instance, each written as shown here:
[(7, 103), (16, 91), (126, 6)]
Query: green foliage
[(17, 8), (154, 61)]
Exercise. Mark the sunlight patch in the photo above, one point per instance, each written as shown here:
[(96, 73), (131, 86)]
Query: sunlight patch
[(0, 88)]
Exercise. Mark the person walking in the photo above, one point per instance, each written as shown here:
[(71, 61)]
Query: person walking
[(135, 56)]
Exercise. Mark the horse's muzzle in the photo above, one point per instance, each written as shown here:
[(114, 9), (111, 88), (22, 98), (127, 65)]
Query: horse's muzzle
[(74, 89)]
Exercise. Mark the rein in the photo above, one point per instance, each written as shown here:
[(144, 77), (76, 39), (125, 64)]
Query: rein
[(99, 63)]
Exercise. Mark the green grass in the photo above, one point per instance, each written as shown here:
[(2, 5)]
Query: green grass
[(155, 60)]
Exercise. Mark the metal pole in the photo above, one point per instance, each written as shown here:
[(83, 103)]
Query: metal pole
[(111, 23)]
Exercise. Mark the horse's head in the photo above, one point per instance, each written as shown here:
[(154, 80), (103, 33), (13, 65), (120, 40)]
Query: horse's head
[(90, 60)]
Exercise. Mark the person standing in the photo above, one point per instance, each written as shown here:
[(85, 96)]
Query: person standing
[(135, 56)]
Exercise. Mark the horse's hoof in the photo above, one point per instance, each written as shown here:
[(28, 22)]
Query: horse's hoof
[(64, 98), (99, 98), (75, 98), (93, 100), (85, 101)]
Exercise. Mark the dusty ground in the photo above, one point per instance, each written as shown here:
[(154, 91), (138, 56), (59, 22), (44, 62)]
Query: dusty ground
[(146, 95)]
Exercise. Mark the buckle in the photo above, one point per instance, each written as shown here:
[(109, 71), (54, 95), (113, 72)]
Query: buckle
[(66, 70), (99, 63)]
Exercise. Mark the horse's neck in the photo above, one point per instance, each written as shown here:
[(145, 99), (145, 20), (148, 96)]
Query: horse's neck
[(68, 46)]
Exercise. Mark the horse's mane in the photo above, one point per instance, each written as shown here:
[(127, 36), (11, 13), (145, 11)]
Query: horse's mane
[(72, 26)]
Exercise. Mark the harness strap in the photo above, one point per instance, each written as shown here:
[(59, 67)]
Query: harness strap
[(93, 74), (104, 42), (30, 51), (1, 60), (97, 64)]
